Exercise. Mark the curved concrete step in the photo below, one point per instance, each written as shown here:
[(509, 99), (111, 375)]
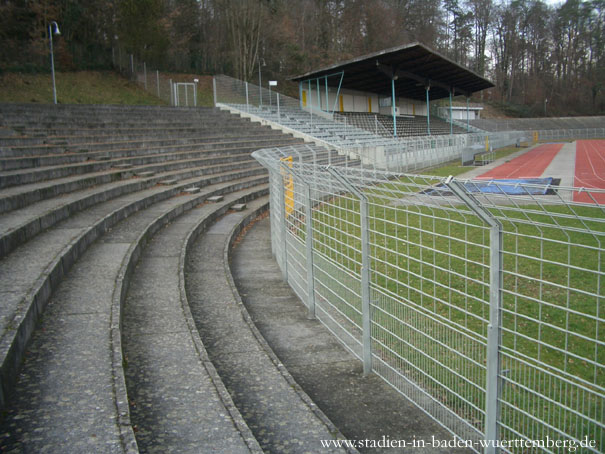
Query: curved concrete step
[(148, 162), (73, 137), (362, 407), (20, 226), (34, 269), (178, 403), (275, 410), (71, 362), (124, 149)]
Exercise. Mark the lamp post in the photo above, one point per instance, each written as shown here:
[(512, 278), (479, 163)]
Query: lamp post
[(260, 81), (53, 29)]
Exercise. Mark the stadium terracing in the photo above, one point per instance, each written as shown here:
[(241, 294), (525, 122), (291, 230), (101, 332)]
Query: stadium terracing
[(381, 108)]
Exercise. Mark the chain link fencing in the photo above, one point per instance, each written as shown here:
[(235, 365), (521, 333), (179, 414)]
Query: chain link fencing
[(480, 302)]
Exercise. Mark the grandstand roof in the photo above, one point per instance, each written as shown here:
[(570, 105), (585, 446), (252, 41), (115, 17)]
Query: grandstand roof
[(413, 67)]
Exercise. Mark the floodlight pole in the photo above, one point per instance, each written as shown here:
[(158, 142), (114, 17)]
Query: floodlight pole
[(52, 58)]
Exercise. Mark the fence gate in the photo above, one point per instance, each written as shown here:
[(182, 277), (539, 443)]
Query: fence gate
[(185, 94)]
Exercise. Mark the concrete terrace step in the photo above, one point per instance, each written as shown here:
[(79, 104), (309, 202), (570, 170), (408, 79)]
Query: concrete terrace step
[(115, 150), (169, 378), (84, 154), (281, 419), (27, 146), (16, 126), (34, 269), (362, 407), (72, 362), (20, 196), (78, 113), (20, 226), (70, 128), (27, 176)]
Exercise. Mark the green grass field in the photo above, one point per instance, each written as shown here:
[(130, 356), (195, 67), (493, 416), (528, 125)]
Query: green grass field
[(430, 266)]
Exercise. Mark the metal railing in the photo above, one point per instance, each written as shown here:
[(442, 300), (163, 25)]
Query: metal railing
[(401, 154), (485, 309)]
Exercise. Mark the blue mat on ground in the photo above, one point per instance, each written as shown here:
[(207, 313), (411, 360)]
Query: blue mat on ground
[(517, 186)]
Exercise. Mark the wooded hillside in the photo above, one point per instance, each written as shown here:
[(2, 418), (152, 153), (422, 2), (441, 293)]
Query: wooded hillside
[(548, 58)]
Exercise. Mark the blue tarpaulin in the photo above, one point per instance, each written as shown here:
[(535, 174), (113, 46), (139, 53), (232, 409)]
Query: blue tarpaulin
[(518, 186)]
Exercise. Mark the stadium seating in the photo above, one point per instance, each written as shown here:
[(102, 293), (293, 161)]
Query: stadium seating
[(99, 206), (406, 126)]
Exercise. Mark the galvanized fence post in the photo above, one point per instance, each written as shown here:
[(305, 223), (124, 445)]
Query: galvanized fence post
[(366, 316), (157, 80), (283, 226), (308, 241), (492, 386), (247, 103), (214, 90)]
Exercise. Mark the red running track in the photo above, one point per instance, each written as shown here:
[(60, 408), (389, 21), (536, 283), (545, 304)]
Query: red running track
[(529, 165), (590, 170)]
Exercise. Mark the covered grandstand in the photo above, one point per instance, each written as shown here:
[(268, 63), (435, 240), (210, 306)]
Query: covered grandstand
[(399, 83), (376, 109)]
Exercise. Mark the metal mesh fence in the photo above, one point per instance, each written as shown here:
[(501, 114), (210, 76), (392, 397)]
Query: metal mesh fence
[(401, 154), (482, 307), (175, 90)]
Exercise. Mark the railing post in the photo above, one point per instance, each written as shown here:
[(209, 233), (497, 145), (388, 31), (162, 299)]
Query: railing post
[(157, 79), (308, 241), (283, 228), (214, 90), (247, 103), (278, 112), (366, 319), (492, 386)]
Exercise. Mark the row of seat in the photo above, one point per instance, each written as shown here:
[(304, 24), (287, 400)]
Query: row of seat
[(406, 126)]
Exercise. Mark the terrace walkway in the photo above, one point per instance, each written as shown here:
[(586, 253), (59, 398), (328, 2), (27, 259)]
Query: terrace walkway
[(361, 407)]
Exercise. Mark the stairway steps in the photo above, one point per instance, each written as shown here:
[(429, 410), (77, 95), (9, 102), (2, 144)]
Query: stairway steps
[(69, 361), (273, 408), (28, 176), (21, 196), (20, 226), (168, 371)]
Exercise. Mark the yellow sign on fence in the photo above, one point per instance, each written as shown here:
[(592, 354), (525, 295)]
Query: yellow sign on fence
[(288, 187)]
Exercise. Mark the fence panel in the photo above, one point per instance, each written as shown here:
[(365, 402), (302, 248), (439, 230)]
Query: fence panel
[(485, 300)]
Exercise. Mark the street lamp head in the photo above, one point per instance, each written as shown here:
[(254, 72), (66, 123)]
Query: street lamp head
[(55, 28)]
